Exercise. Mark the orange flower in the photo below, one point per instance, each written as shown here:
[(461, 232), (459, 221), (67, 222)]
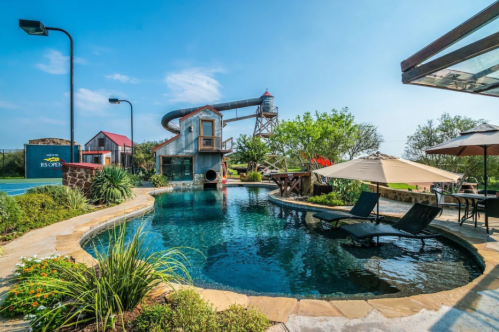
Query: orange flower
[(17, 292), (31, 285), (34, 304), (37, 295), (31, 291), (46, 295), (54, 271), (44, 262), (43, 274), (11, 308), (43, 267), (39, 290), (53, 293)]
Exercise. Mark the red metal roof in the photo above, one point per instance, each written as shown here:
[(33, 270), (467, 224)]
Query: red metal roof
[(166, 142), (199, 110), (83, 165), (267, 94), (95, 152), (116, 138)]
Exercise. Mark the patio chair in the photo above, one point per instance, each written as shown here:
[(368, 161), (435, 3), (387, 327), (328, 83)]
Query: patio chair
[(412, 225), (361, 210), (440, 198)]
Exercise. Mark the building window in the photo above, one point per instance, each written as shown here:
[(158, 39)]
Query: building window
[(207, 131), (177, 168), (96, 160), (102, 142)]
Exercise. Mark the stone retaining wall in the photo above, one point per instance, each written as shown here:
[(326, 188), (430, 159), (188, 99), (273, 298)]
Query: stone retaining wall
[(79, 175), (408, 196)]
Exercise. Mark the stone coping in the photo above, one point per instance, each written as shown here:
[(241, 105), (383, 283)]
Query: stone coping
[(279, 309)]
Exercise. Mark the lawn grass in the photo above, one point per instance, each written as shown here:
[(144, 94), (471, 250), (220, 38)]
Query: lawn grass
[(400, 186)]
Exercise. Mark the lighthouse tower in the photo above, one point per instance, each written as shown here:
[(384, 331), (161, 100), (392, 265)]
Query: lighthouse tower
[(267, 118)]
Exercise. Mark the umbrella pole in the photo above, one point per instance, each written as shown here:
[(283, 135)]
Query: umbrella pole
[(377, 205), (486, 177)]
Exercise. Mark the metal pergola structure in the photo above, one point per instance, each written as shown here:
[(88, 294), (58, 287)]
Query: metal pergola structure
[(473, 68)]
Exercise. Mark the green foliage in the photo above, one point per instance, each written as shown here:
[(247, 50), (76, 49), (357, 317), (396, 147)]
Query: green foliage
[(158, 180), (145, 174), (10, 213), (135, 180), (56, 192), (330, 199), (186, 311), (13, 164), (125, 273), (251, 150), (76, 200), (144, 157), (112, 185), (367, 140), (29, 295), (348, 190), (37, 210), (446, 128), (253, 177), (329, 134)]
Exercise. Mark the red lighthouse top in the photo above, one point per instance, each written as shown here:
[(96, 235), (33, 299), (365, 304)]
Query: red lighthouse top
[(267, 94)]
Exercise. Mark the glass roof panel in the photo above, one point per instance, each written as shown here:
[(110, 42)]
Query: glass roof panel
[(478, 75)]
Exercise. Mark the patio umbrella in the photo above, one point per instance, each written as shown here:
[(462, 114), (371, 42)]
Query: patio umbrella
[(382, 168), (481, 140)]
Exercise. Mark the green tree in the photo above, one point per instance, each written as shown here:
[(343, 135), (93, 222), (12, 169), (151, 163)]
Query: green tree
[(367, 140), (143, 155), (251, 150), (436, 132)]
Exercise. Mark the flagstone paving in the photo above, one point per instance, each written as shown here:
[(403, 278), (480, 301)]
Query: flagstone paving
[(473, 307)]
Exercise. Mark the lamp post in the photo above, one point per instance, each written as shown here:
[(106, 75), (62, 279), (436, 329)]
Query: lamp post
[(117, 101), (36, 28)]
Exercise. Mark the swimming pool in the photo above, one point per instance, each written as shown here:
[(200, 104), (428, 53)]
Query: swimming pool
[(252, 246)]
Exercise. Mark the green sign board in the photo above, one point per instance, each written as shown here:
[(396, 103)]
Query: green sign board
[(45, 161)]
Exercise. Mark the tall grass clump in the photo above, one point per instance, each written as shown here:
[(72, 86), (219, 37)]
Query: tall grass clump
[(10, 213), (112, 185), (254, 177), (70, 198), (124, 275)]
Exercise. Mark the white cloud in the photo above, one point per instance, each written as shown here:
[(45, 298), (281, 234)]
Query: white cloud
[(123, 78), (6, 104), (194, 85), (58, 64), (94, 102)]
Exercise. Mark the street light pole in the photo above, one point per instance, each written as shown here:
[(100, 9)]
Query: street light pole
[(117, 101), (36, 28)]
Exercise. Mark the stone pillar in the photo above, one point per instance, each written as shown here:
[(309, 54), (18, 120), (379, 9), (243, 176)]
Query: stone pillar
[(79, 175)]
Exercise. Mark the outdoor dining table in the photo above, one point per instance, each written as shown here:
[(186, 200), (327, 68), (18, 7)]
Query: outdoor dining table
[(474, 199)]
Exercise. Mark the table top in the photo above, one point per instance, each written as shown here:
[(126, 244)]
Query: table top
[(475, 196)]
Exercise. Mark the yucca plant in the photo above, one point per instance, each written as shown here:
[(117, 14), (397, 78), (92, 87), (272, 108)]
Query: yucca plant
[(125, 273), (111, 185)]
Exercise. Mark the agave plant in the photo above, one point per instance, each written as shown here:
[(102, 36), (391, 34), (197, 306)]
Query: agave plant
[(111, 185), (124, 275)]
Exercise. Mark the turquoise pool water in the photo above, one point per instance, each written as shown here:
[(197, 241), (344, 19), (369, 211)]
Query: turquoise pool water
[(252, 246)]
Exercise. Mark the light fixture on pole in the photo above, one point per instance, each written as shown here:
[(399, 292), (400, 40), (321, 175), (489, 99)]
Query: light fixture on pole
[(36, 28), (117, 101)]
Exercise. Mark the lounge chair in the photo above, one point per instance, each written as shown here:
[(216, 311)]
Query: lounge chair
[(412, 225), (440, 198), (361, 210)]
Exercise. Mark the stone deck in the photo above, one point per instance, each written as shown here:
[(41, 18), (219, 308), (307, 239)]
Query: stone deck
[(473, 307)]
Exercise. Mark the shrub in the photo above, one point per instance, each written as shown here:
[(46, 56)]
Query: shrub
[(254, 177), (135, 180), (57, 192), (158, 180), (38, 210), (186, 311), (348, 190), (76, 200), (145, 174), (330, 199), (10, 212), (111, 185), (29, 295), (125, 273)]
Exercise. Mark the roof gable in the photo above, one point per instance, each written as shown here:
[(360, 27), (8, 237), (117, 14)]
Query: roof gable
[(120, 140), (207, 107), (164, 143)]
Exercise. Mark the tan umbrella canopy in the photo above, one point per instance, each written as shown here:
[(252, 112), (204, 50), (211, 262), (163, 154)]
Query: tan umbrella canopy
[(382, 168), (479, 141)]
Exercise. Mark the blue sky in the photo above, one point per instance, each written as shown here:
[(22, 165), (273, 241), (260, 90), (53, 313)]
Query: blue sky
[(165, 55)]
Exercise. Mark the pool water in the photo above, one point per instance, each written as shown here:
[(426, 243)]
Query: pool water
[(252, 246)]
